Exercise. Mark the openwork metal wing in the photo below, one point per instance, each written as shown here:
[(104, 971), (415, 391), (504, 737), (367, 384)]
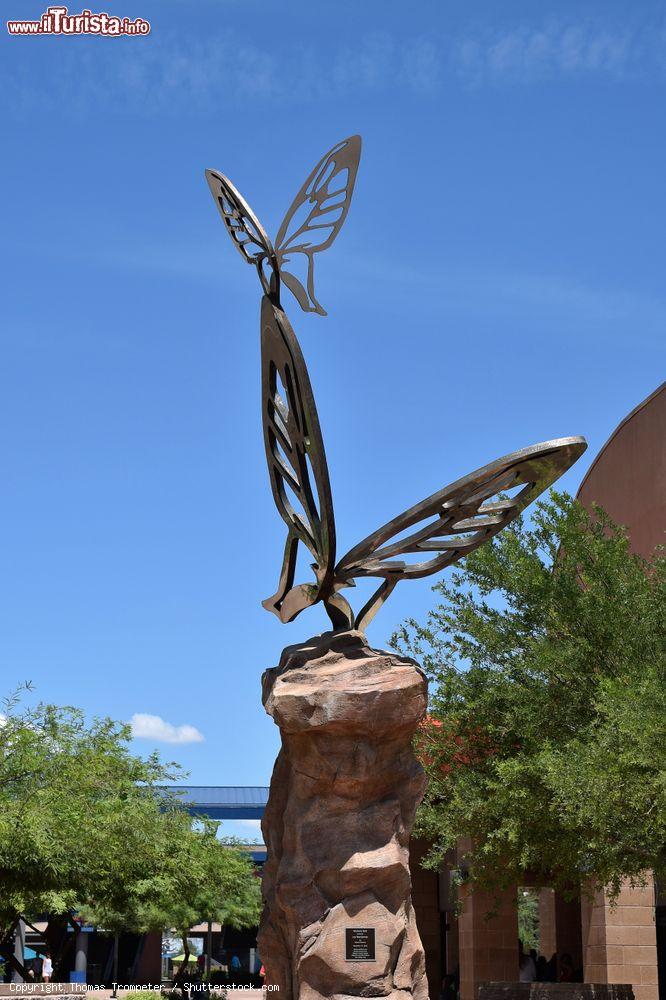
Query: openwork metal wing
[(436, 532), (248, 234), (456, 520), (296, 464), (316, 216), (313, 221)]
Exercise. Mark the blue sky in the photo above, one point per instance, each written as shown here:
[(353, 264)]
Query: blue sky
[(499, 281)]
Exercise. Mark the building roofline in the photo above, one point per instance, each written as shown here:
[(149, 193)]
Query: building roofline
[(249, 788), (648, 399), (221, 801)]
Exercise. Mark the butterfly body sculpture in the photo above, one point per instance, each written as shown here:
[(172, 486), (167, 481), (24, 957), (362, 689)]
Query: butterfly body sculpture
[(433, 534)]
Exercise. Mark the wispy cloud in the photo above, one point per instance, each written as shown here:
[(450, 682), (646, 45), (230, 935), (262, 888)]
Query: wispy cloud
[(153, 727), (555, 49), (189, 73), (175, 73)]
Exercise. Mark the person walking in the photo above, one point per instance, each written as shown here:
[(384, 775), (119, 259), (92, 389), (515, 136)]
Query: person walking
[(47, 968)]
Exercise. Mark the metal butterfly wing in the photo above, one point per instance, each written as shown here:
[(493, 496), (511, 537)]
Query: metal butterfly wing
[(311, 224), (456, 520), (316, 216), (297, 469), (247, 233), (450, 523)]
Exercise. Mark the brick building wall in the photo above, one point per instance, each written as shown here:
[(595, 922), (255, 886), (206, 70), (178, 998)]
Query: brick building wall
[(619, 942), (425, 897), (488, 948)]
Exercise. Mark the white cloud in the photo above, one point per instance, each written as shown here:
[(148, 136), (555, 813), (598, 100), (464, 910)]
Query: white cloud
[(553, 49), (152, 727), (176, 73), (185, 72)]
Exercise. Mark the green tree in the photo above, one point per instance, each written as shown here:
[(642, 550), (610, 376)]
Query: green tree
[(198, 877), (546, 743), (528, 919), (78, 813), (84, 825)]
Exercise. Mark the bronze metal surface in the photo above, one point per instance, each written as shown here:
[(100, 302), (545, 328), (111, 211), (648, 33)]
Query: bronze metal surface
[(424, 539)]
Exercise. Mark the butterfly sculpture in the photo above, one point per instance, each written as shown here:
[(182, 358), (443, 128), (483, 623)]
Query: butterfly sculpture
[(433, 534)]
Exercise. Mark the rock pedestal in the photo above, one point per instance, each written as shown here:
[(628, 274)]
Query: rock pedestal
[(338, 920)]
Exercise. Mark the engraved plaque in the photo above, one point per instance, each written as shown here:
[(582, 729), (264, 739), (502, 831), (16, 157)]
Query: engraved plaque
[(360, 944)]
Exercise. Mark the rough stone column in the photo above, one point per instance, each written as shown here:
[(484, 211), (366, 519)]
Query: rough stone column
[(342, 801)]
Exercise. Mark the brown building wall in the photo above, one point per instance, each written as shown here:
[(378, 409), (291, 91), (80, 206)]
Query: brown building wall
[(425, 898), (619, 941), (628, 476), (568, 930), (547, 923), (488, 945), (150, 963), (628, 479)]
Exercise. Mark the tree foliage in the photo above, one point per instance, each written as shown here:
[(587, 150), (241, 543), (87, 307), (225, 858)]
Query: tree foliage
[(546, 742), (85, 825), (77, 809), (197, 877), (528, 919)]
